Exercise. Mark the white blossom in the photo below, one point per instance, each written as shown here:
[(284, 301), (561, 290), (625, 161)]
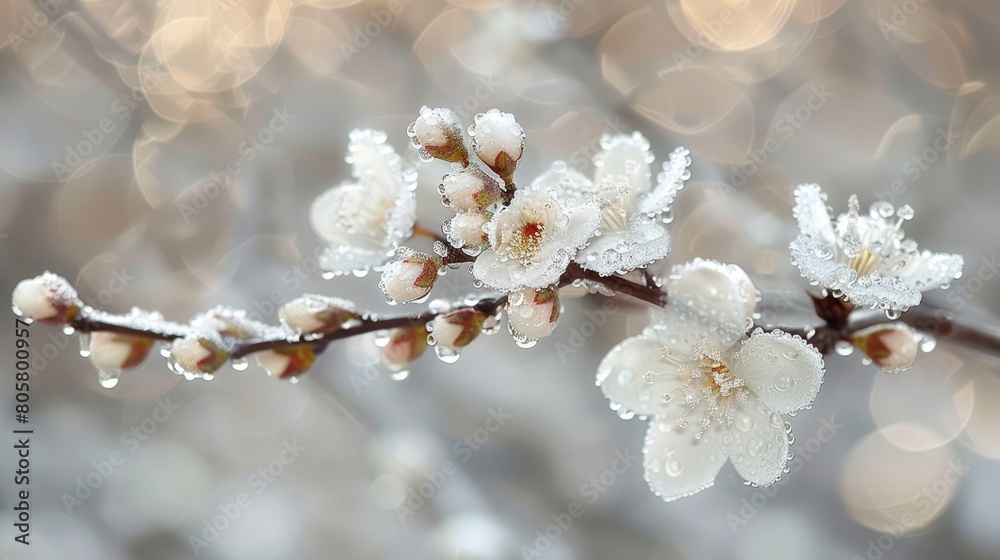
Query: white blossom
[(286, 362), (711, 391), (410, 276), (363, 221), (866, 259), (466, 229), (498, 140), (892, 346), (48, 298), (469, 189), (118, 351), (437, 133), (312, 313), (532, 313), (533, 239)]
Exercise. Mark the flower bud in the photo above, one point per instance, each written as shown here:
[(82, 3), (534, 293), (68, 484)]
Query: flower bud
[(470, 189), (313, 313), (466, 229), (438, 134), (499, 141), (893, 346), (404, 346), (196, 356), (47, 298), (410, 276), (532, 314), (456, 329), (113, 351), (286, 362)]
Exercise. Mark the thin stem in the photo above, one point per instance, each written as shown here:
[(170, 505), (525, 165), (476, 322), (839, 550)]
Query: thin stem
[(649, 294)]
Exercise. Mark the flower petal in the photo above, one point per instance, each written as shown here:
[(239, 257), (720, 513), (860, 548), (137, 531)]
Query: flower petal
[(620, 252), (568, 184), (813, 213), (720, 298), (668, 182), (932, 270), (498, 275), (783, 370), (624, 159), (622, 375), (880, 292), (757, 442), (676, 463)]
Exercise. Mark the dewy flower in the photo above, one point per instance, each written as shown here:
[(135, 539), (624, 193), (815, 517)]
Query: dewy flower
[(402, 346), (456, 329), (437, 133), (713, 392), (48, 298), (313, 313), (631, 233), (499, 141), (364, 221), (117, 351), (893, 346), (866, 259), (286, 362), (533, 239), (532, 314)]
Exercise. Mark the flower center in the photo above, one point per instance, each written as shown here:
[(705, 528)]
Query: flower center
[(710, 387), (525, 242), (865, 262)]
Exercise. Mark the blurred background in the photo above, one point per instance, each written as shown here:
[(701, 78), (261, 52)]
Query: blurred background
[(164, 155)]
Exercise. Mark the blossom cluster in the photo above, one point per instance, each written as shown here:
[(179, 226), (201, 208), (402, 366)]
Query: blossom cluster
[(713, 385)]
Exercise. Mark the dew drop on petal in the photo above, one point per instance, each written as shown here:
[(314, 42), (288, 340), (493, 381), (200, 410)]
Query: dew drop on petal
[(240, 364), (68, 330), (108, 379)]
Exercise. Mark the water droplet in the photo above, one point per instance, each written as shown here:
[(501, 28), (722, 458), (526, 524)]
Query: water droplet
[(399, 375), (783, 382), (844, 348), (68, 330), (625, 377), (526, 343), (790, 354), (240, 364), (743, 422), (892, 314), (108, 379), (293, 380), (85, 345), (446, 355)]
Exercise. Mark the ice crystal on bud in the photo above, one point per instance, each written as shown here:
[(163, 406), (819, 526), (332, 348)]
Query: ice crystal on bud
[(892, 346), (313, 313), (48, 298), (195, 357), (866, 259), (499, 141), (437, 133), (712, 391), (410, 276), (364, 221), (532, 313), (470, 190)]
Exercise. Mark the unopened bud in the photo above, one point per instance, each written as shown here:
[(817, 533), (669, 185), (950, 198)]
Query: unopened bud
[(410, 276), (286, 362), (438, 133), (111, 351), (195, 355), (532, 314), (456, 329), (404, 346), (470, 189), (466, 229), (499, 141), (47, 298), (313, 313), (892, 346)]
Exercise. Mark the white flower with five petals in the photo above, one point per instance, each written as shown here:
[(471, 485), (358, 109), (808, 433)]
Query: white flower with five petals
[(712, 392), (866, 259), (533, 239), (364, 221)]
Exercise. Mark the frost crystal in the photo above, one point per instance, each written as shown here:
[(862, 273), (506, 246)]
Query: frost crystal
[(713, 392), (364, 221), (866, 259)]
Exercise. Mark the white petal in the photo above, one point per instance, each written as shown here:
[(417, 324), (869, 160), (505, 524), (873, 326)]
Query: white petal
[(625, 158), (344, 260), (583, 222), (565, 182), (372, 159), (814, 259), (879, 292), (622, 376), (813, 213), (757, 442), (783, 370), (932, 270), (668, 182), (620, 252), (676, 464), (489, 270), (719, 298)]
